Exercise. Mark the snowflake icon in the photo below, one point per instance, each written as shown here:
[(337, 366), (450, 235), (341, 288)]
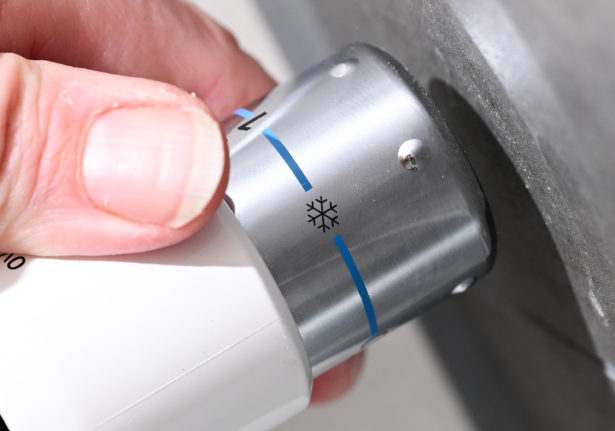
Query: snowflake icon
[(319, 212)]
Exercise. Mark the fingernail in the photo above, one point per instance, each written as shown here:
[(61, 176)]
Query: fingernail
[(154, 165)]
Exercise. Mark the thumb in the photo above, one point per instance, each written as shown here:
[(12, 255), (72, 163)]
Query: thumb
[(92, 163)]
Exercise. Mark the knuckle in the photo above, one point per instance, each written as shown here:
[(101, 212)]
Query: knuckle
[(11, 75), (222, 37), (226, 38), (18, 128)]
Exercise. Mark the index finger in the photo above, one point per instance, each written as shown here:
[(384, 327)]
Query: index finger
[(164, 40)]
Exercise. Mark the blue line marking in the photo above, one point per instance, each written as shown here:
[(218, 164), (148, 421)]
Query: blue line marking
[(282, 151), (358, 281), (243, 113)]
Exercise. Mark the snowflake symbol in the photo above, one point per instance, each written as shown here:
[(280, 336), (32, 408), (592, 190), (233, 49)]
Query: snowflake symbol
[(318, 212)]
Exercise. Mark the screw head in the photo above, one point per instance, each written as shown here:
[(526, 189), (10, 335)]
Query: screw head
[(406, 154), (344, 68), (463, 286)]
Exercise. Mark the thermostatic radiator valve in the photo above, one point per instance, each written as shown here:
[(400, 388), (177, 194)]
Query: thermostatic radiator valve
[(354, 210)]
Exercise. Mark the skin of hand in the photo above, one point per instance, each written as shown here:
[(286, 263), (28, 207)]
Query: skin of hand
[(104, 148)]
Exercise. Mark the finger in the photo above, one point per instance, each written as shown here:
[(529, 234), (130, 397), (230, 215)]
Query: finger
[(338, 380), (92, 163), (165, 40)]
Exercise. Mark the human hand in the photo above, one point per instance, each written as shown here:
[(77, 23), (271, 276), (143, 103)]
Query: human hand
[(103, 149)]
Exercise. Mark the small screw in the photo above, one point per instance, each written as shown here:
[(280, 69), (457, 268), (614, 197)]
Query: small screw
[(344, 68), (463, 286), (406, 153)]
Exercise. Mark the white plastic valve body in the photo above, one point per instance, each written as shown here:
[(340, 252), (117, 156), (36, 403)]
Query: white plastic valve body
[(191, 337)]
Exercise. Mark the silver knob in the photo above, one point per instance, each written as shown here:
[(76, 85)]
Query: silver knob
[(360, 202)]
